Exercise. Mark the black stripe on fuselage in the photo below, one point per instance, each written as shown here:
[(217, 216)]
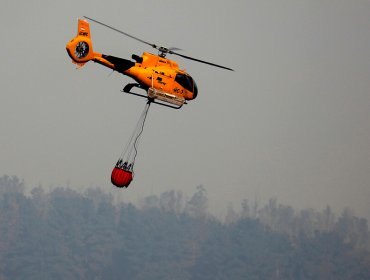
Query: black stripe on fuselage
[(120, 64)]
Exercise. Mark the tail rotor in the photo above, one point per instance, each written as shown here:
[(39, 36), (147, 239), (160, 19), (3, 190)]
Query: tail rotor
[(80, 47)]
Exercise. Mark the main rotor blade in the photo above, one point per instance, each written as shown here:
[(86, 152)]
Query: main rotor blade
[(124, 33), (161, 49), (174, 49), (201, 61)]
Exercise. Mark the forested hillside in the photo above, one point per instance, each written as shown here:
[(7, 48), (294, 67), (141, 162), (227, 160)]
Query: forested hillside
[(64, 234)]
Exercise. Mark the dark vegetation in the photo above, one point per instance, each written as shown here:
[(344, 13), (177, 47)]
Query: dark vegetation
[(64, 234)]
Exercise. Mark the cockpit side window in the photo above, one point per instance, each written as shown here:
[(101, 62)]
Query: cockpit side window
[(185, 81)]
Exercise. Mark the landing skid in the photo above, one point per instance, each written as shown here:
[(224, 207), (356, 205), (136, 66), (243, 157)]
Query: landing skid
[(128, 89)]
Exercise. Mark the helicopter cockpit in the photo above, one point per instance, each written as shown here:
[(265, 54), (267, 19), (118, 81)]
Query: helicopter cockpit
[(188, 83)]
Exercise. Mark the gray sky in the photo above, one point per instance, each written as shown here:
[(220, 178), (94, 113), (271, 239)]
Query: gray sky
[(292, 122)]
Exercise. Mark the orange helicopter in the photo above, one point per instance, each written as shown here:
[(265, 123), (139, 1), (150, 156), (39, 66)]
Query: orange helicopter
[(161, 78)]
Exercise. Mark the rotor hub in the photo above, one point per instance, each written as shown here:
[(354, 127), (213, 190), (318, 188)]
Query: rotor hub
[(162, 51)]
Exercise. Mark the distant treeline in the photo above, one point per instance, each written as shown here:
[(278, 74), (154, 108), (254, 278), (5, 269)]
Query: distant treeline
[(65, 234)]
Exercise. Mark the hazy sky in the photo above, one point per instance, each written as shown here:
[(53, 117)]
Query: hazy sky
[(292, 122)]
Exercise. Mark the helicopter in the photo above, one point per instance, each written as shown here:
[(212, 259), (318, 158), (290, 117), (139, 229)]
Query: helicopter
[(162, 79)]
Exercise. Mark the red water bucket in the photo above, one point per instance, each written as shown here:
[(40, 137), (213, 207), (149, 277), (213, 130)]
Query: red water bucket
[(121, 178)]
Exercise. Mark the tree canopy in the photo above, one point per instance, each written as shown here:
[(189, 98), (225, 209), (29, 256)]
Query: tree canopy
[(65, 234)]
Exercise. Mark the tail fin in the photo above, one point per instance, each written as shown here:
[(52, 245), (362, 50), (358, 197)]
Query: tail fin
[(80, 47), (83, 28)]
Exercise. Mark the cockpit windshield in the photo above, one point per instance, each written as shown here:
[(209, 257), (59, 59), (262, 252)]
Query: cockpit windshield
[(187, 82)]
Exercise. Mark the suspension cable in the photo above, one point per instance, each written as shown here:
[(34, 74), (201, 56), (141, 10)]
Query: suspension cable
[(130, 152), (136, 143)]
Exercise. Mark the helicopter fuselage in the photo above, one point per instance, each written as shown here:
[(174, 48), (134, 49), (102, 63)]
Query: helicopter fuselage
[(153, 71)]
